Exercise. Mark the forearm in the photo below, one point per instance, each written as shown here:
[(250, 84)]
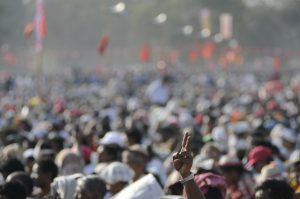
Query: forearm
[(192, 190)]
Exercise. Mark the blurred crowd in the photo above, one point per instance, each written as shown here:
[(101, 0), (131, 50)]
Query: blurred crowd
[(113, 136)]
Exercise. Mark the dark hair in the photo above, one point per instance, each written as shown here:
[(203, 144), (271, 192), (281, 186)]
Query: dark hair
[(13, 190), (48, 166), (22, 178), (277, 189), (92, 184), (113, 150), (213, 193), (135, 135), (10, 166)]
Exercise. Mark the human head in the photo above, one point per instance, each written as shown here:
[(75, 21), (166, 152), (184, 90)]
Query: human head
[(90, 187), (108, 153), (69, 162), (22, 178), (274, 189), (13, 190), (259, 157), (116, 175), (136, 158), (231, 168), (44, 172), (10, 166), (212, 185)]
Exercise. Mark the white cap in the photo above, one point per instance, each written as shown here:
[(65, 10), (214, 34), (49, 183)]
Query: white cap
[(28, 153), (116, 172), (219, 134), (289, 135), (112, 137), (240, 127)]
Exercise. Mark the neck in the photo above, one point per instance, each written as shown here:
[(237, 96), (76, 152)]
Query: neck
[(46, 190)]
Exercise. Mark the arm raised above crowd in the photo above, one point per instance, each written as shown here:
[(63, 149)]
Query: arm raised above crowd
[(183, 161)]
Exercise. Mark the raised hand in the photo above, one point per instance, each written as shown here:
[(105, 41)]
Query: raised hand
[(183, 160)]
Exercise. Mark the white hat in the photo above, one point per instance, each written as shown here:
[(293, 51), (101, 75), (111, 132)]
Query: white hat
[(219, 134), (116, 172), (289, 135), (240, 127), (112, 137), (28, 153)]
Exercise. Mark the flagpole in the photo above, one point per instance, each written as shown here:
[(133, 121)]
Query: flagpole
[(39, 37)]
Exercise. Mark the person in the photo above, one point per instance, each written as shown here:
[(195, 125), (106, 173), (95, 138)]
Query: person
[(239, 183), (69, 162), (117, 176), (136, 158), (183, 161), (44, 172), (90, 187), (11, 165), (24, 179), (12, 190), (274, 189), (259, 157), (64, 187), (212, 185)]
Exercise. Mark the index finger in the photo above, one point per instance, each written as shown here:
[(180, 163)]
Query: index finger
[(184, 141), (188, 145)]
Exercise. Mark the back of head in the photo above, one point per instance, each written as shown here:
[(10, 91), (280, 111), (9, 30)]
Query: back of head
[(10, 166), (22, 178), (93, 185), (48, 166), (13, 190), (276, 189)]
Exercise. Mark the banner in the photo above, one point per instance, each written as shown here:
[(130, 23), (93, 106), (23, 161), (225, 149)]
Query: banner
[(205, 20), (40, 25), (226, 24)]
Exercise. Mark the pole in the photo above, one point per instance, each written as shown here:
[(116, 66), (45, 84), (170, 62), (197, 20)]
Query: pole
[(39, 37)]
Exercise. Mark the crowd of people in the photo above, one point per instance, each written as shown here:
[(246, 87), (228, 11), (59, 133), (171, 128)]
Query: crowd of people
[(122, 136)]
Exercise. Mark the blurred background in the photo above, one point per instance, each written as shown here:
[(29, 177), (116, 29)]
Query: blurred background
[(111, 34)]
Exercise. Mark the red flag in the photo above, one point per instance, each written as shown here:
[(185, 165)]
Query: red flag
[(208, 50), (43, 26), (145, 53), (9, 57), (103, 44), (277, 63), (193, 55), (28, 30)]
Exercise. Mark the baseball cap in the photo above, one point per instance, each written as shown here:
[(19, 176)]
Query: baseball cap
[(112, 137), (257, 154), (117, 172)]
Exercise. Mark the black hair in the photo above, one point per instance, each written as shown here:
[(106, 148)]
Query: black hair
[(277, 189), (92, 184), (10, 166), (135, 135), (213, 193), (13, 190), (24, 179), (48, 166), (113, 150)]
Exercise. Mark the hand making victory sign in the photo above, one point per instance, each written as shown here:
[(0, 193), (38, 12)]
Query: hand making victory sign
[(183, 159)]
